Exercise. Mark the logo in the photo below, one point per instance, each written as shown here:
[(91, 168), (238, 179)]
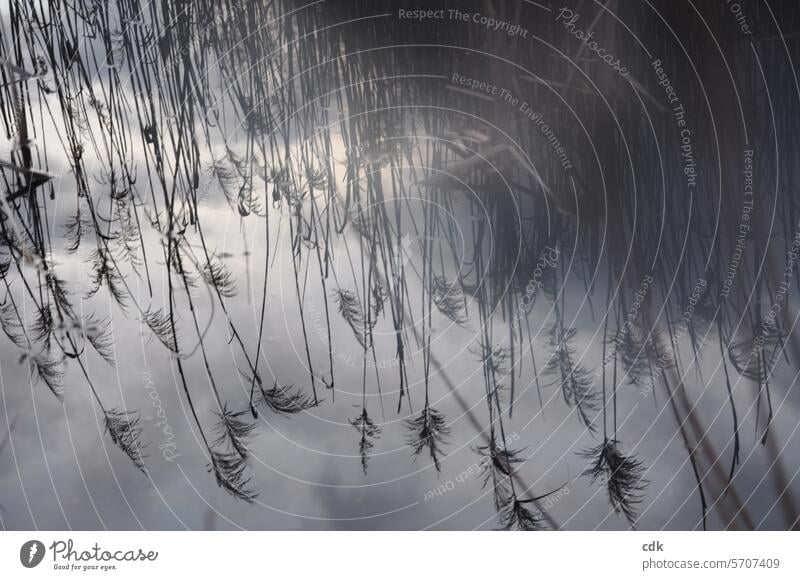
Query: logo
[(31, 553)]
